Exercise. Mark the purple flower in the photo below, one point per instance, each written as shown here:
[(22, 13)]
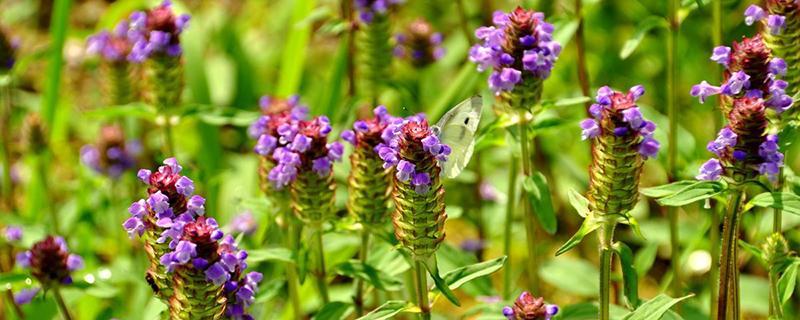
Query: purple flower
[(133, 226), (265, 145), (739, 80), (753, 13), (322, 166), (725, 139), (649, 147), (704, 90), (185, 186), (300, 143), (633, 117), (504, 80), (721, 55), (144, 175), (590, 129), (421, 183), (775, 23), (23, 259), (603, 96), (487, 192), (244, 223), (710, 170), (349, 136), (405, 170), (387, 154), (74, 262), (216, 274), (636, 91), (12, 233), (777, 66), (26, 295), (335, 151), (596, 110)]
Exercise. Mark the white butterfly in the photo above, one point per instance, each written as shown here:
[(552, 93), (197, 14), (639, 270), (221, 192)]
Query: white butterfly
[(457, 129)]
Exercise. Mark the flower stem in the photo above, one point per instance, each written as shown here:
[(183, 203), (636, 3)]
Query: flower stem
[(775, 305), (422, 290), (672, 212), (714, 239), (605, 236), (528, 216), (510, 205), (61, 305), (291, 268), (169, 146), (728, 297), (358, 299), (5, 135), (321, 274)]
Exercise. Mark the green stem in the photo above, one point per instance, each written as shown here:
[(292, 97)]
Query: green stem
[(728, 296), (291, 268), (322, 275), (775, 305), (61, 305), (605, 236), (169, 145), (510, 205), (528, 216), (422, 290), (5, 135), (672, 152), (358, 299), (43, 173), (714, 236), (777, 218)]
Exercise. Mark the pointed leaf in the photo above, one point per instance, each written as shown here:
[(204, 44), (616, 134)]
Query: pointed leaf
[(754, 250), (587, 227), (629, 275), (645, 258), (377, 278), (788, 202), (700, 190), (579, 202), (667, 189), (270, 254), (458, 277), (787, 282), (389, 310), (433, 270), (655, 308), (644, 26), (334, 310), (539, 195)]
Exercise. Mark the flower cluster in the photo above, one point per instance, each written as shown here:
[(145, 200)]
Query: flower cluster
[(169, 205), (412, 136), (116, 45), (519, 45), (156, 32), (112, 155), (617, 113), (7, 53), (742, 146), (202, 247), (774, 22), (369, 133), (751, 71), (50, 261), (368, 9), (275, 113), (305, 147), (527, 307), (419, 44)]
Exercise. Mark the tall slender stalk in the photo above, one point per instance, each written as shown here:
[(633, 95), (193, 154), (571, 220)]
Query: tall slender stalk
[(347, 15), (422, 290), (672, 87), (716, 208), (606, 236), (5, 135), (61, 305), (728, 296), (510, 205), (528, 216), (291, 268), (358, 300), (321, 273)]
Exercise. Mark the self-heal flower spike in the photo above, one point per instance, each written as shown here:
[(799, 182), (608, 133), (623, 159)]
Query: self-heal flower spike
[(277, 113), (520, 51), (306, 163), (623, 139), (418, 193), (743, 149), (774, 23), (157, 33), (369, 10), (115, 48), (112, 155), (50, 262), (751, 71), (161, 216), (786, 44), (369, 183), (373, 40), (419, 44), (207, 273), (528, 307)]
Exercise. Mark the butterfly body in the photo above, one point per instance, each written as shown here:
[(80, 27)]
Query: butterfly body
[(457, 129)]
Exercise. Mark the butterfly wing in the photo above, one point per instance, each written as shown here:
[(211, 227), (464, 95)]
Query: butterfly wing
[(457, 130)]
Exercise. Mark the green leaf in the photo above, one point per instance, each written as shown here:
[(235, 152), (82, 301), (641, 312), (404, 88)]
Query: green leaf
[(579, 202), (134, 110), (296, 45), (458, 277), (754, 250), (377, 278), (59, 26), (389, 310), (629, 275), (13, 278), (565, 102), (588, 226), (642, 29), (441, 284), (645, 258), (787, 282), (539, 195), (697, 191), (571, 276), (334, 310), (667, 189), (270, 254), (788, 202), (655, 308), (587, 311)]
